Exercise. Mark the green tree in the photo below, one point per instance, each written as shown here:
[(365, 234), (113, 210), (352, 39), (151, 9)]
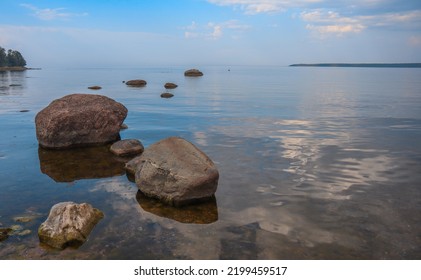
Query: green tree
[(15, 58), (3, 57)]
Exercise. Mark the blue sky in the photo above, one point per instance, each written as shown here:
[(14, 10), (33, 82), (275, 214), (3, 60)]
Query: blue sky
[(128, 33)]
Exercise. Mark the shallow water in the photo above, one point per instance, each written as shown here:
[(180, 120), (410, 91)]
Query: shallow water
[(315, 163)]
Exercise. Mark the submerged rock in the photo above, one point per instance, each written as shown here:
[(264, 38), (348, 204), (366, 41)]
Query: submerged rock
[(79, 120), (4, 233), (176, 172), (69, 224), (193, 73), (170, 85), (127, 147), (167, 95), (136, 83), (95, 87)]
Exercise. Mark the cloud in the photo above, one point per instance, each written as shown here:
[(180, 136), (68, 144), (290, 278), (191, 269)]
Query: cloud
[(213, 30), (51, 14), (324, 22), (263, 6)]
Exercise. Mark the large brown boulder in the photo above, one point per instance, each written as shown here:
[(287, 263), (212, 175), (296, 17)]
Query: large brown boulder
[(176, 172), (79, 120), (69, 224), (193, 73)]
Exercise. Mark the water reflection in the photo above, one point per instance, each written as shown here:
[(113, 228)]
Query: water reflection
[(203, 213), (81, 163)]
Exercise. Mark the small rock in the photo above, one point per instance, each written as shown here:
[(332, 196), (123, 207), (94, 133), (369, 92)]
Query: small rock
[(193, 73), (24, 111), (136, 83), (127, 147), (124, 126), (4, 233), (167, 95), (170, 85), (22, 219), (95, 87), (69, 224), (24, 232), (16, 228)]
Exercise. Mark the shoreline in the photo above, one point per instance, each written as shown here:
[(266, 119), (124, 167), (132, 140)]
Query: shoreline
[(371, 65), (17, 68)]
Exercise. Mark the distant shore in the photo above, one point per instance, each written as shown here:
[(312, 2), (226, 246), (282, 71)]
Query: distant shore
[(17, 68), (378, 65)]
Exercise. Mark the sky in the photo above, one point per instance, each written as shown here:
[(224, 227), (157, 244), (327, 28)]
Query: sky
[(129, 33)]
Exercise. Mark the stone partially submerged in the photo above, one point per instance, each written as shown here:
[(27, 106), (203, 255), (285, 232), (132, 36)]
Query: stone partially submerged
[(69, 224), (79, 120), (193, 73), (176, 172), (136, 83), (127, 147)]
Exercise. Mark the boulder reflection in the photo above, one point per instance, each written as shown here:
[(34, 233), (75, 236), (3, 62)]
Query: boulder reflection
[(81, 163), (203, 213)]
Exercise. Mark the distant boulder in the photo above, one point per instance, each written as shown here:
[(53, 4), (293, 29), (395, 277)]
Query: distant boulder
[(69, 224), (176, 172), (79, 120), (136, 83), (170, 85), (127, 147), (167, 95), (193, 73), (95, 87)]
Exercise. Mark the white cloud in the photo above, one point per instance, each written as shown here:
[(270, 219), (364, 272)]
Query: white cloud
[(213, 30), (51, 14), (263, 6), (325, 22)]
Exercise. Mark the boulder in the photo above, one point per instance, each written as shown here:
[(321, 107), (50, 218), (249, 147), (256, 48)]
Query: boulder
[(176, 172), (79, 120), (167, 95), (193, 73), (136, 83), (95, 87), (69, 224), (170, 85), (127, 147)]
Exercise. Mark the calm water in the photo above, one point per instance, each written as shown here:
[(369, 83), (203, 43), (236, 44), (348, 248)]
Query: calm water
[(315, 163)]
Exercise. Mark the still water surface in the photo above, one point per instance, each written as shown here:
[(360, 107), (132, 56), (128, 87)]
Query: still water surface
[(315, 163)]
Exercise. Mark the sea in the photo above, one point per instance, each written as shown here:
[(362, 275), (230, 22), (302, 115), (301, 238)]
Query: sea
[(314, 162)]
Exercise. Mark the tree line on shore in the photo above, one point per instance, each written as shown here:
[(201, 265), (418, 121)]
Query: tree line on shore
[(11, 58)]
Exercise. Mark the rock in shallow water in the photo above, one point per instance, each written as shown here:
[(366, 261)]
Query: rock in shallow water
[(193, 73), (136, 83), (176, 172), (127, 147), (69, 224), (79, 120)]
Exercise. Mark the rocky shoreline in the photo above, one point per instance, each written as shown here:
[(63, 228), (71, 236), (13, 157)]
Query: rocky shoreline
[(173, 171)]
